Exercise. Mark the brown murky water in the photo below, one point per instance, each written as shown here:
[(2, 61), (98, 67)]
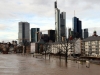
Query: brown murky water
[(16, 64)]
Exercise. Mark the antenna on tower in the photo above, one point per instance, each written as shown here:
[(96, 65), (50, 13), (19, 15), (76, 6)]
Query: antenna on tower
[(74, 12)]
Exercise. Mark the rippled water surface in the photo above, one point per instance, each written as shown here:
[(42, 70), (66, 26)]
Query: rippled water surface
[(16, 64)]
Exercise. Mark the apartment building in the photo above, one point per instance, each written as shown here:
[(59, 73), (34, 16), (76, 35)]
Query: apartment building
[(92, 46)]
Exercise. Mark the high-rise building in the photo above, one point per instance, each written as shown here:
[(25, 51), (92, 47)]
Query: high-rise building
[(34, 34), (77, 27), (69, 32), (45, 37), (51, 34), (57, 24), (24, 33), (63, 24), (60, 24), (85, 33)]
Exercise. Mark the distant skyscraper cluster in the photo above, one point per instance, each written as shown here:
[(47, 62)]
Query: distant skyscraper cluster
[(57, 35), (25, 35)]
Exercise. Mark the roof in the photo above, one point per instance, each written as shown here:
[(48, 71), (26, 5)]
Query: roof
[(92, 38)]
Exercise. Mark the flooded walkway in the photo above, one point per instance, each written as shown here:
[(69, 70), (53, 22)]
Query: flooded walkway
[(16, 64)]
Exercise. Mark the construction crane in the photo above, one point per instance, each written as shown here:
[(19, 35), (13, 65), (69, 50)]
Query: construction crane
[(42, 30), (40, 34), (22, 39)]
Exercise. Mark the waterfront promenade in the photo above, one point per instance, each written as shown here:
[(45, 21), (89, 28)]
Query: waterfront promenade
[(16, 64)]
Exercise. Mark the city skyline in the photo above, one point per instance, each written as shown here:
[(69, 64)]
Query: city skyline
[(40, 14)]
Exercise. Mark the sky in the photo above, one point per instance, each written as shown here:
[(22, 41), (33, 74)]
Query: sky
[(41, 14)]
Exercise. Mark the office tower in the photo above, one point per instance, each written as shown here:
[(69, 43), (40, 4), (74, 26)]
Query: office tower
[(63, 24), (85, 33), (45, 37), (60, 24), (71, 35), (34, 34), (39, 36), (77, 28), (69, 32), (24, 33), (80, 29), (51, 34), (57, 23)]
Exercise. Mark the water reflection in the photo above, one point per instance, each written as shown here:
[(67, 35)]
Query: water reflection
[(56, 63)]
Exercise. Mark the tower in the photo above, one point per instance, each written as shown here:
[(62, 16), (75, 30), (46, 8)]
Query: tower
[(57, 23), (51, 34), (77, 27), (24, 33), (69, 32), (63, 24), (85, 33), (34, 34), (60, 24)]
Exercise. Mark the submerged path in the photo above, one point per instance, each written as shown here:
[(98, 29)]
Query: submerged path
[(16, 64)]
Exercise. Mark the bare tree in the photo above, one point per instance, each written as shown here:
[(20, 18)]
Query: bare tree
[(61, 48)]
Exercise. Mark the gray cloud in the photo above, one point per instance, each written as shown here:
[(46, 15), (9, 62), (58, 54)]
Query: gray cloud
[(46, 7), (18, 10)]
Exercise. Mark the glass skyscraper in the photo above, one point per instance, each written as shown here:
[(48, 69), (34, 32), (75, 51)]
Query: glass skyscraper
[(69, 32), (63, 24), (77, 27), (57, 24), (34, 34), (24, 33)]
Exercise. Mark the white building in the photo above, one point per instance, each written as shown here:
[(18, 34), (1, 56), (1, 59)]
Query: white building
[(77, 46), (92, 46), (72, 47)]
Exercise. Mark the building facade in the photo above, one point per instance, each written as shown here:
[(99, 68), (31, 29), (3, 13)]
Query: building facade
[(77, 47), (92, 46), (24, 33), (34, 34)]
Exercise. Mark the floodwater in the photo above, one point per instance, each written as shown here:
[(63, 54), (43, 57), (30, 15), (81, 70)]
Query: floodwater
[(17, 64)]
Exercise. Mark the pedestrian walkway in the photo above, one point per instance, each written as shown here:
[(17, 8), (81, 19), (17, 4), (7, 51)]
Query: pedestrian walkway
[(16, 64)]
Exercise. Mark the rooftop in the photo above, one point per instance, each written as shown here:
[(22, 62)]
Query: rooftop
[(92, 38)]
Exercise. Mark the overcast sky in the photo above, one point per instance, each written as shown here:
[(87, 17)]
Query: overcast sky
[(40, 13)]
